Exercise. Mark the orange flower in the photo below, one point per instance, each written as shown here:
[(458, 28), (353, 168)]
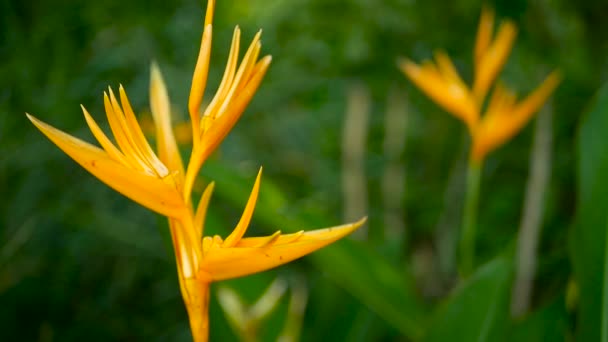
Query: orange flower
[(161, 183), (503, 117)]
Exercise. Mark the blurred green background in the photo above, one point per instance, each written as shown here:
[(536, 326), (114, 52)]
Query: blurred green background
[(80, 262)]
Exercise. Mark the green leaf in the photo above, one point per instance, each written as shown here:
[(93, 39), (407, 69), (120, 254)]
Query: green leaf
[(589, 235), (375, 282), (549, 323), (478, 310)]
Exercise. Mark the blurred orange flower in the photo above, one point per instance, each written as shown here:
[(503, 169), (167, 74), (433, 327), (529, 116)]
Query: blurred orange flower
[(504, 116)]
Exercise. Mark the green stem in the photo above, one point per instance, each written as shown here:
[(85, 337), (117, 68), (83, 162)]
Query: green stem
[(604, 317), (468, 232)]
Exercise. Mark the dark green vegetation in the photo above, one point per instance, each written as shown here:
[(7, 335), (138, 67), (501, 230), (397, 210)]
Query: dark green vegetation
[(80, 262)]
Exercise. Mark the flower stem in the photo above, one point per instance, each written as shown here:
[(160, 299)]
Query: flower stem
[(468, 232), (196, 299)]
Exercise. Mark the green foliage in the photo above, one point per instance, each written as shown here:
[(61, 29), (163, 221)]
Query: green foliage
[(589, 234), (479, 309)]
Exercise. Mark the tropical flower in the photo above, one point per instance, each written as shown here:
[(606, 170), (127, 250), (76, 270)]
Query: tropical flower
[(160, 182), (504, 116)]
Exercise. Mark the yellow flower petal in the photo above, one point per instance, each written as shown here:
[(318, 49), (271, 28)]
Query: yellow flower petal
[(494, 58), (443, 86), (225, 263), (199, 81), (105, 142), (224, 123), (201, 71), (168, 152), (484, 34), (137, 136), (241, 227), (155, 193), (228, 77), (505, 118), (201, 210)]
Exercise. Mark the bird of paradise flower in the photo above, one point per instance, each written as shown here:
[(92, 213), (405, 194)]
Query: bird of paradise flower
[(162, 184)]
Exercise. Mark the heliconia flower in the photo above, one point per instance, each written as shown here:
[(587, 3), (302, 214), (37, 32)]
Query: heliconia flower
[(160, 182), (503, 117)]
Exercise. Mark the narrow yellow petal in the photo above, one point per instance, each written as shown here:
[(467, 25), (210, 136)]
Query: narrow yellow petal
[(160, 106), (249, 61), (263, 241), (494, 59), (241, 75), (209, 12), (201, 210), (484, 34), (228, 77), (534, 101), (136, 152), (199, 81), (201, 71), (149, 191), (139, 140), (226, 121), (505, 118), (241, 227), (103, 140), (451, 95), (447, 68), (225, 263), (122, 138), (269, 240)]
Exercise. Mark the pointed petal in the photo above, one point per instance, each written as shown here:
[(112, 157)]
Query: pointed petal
[(241, 227), (138, 137), (223, 124), (160, 106), (201, 210), (263, 241), (228, 77), (447, 68), (484, 34), (209, 12), (103, 140), (201, 71), (199, 81), (505, 119), (242, 76), (452, 95), (534, 101), (225, 263), (122, 135), (494, 59), (129, 134), (151, 192)]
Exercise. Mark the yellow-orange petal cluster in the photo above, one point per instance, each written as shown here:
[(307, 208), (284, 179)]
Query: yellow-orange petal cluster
[(503, 117), (131, 168)]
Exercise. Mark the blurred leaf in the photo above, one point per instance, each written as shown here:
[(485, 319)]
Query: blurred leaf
[(549, 323), (367, 276), (588, 237), (144, 239), (478, 310)]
